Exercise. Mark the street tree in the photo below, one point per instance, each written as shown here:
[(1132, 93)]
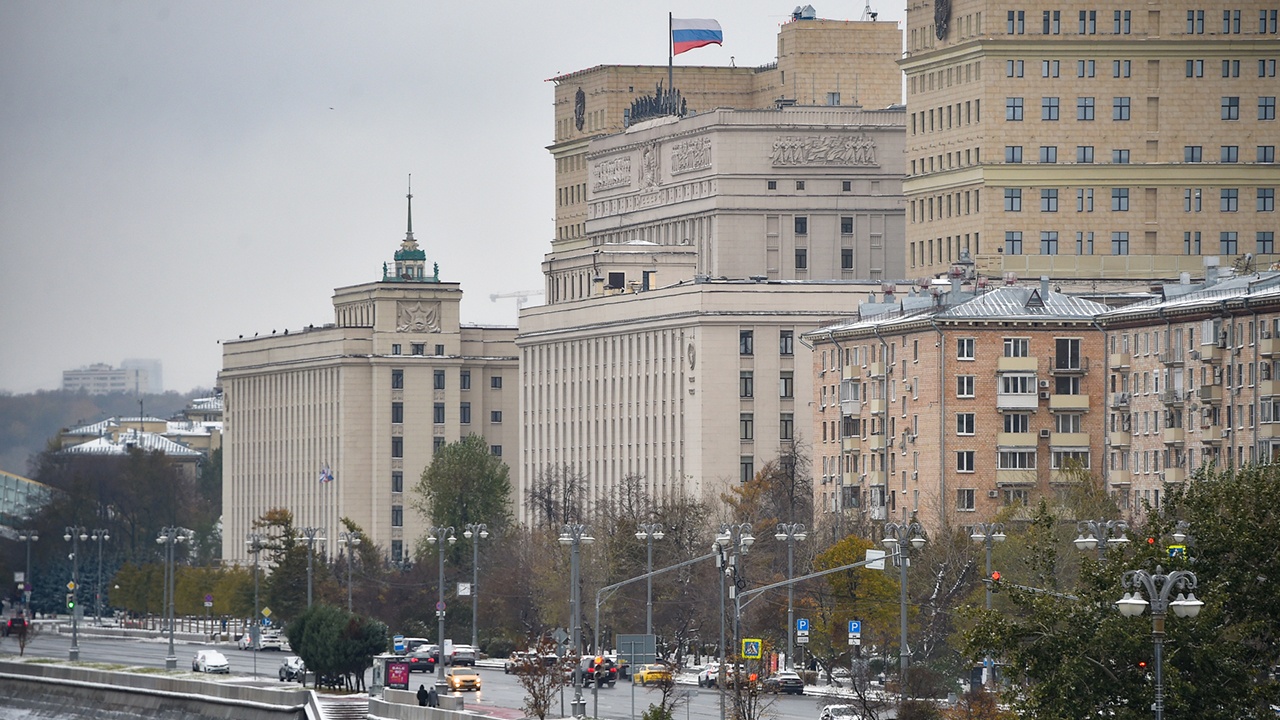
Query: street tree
[(465, 483), (557, 494), (542, 680)]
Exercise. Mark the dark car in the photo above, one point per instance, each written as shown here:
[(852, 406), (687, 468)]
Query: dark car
[(17, 625), (784, 681), (421, 660), (598, 669)]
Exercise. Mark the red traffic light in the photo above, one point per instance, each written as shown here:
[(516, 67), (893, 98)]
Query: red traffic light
[(995, 576), (1151, 541), (1142, 664)]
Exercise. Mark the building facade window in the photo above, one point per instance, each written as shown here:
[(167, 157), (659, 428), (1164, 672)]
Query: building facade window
[(464, 413), (746, 468), (1192, 153), (1228, 242), (965, 423), (786, 426), (1120, 199), (787, 384), (1191, 242), (495, 382), (397, 481), (1049, 108), (438, 380), (1084, 108), (1048, 153), (1013, 242), (397, 447), (1266, 199), (964, 386), (495, 450), (1120, 108), (965, 499), (437, 413), (397, 412), (1230, 153), (464, 380), (1013, 153), (965, 461), (1267, 108), (1120, 243), (802, 225), (395, 348), (1013, 109), (746, 384), (1231, 108), (1016, 23), (1229, 200), (746, 426), (1049, 200), (419, 348), (1195, 68), (397, 516), (1013, 199), (1084, 153), (495, 417), (1088, 22), (1266, 241), (1120, 157), (397, 379), (802, 259), (965, 348), (1048, 242), (846, 258), (746, 342), (1266, 153)]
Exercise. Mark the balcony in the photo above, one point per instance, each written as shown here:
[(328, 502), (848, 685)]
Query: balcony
[(1174, 397), (1120, 438), (850, 371), (1208, 353), (1060, 365), (1069, 440), (878, 407), (1119, 361), (875, 477), (1119, 400), (1174, 435), (850, 444), (876, 442), (876, 369), (1119, 477), (1017, 364), (1016, 440), (1209, 393), (1267, 431), (1268, 387), (1059, 403), (1211, 434), (1175, 475), (1174, 357), (1267, 347), (1016, 477), (1017, 401)]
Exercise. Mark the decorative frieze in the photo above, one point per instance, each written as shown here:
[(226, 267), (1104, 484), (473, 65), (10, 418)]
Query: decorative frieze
[(840, 150), (611, 173), (417, 316), (690, 155)]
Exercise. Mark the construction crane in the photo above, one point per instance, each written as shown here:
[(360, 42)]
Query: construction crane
[(521, 296)]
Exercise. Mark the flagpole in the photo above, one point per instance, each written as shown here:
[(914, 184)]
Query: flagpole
[(671, 83)]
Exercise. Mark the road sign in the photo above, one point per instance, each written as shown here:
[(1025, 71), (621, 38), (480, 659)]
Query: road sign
[(875, 559), (855, 627), (464, 589), (71, 585), (397, 643), (208, 598), (440, 605), (802, 639), (208, 603), (266, 612), (751, 648), (802, 625), (855, 641)]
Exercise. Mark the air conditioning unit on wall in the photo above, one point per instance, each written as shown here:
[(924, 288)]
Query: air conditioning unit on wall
[(1044, 433), (993, 493)]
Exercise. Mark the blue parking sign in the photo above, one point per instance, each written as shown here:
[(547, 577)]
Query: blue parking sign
[(855, 627), (802, 624)]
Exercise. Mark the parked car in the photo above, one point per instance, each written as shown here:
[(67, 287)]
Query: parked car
[(784, 681), (292, 669), (463, 655), (656, 673), (17, 625), (210, 661), (840, 712), (598, 669), (245, 641), (707, 676), (463, 679), (272, 640), (516, 659), (421, 660), (413, 643)]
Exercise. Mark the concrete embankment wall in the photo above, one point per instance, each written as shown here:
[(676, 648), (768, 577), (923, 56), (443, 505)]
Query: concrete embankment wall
[(59, 691)]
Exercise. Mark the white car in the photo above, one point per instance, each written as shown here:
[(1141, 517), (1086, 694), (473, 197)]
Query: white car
[(271, 641), (707, 675), (210, 661), (840, 712)]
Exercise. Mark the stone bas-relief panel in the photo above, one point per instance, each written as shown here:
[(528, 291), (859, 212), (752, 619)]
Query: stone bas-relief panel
[(690, 155), (612, 173), (841, 150), (417, 316)]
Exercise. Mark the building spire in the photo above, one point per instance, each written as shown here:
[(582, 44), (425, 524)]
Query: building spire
[(408, 235)]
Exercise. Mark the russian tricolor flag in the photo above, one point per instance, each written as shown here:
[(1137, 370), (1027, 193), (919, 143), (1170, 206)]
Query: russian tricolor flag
[(694, 33)]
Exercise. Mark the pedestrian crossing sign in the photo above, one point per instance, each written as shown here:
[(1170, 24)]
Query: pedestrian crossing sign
[(751, 648)]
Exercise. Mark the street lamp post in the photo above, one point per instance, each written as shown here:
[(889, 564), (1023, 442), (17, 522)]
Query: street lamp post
[(170, 537), (988, 534), (28, 537), (1100, 535), (440, 536), (349, 541), (575, 535), (649, 532), (790, 532), (74, 534), (1159, 587), (255, 543), (98, 536), (734, 540), (475, 532), (312, 535), (900, 538)]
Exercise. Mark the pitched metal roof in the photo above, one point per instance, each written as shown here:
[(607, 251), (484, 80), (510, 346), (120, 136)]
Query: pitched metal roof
[(1024, 303), (143, 441)]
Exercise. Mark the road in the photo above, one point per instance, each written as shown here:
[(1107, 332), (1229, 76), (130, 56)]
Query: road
[(622, 702)]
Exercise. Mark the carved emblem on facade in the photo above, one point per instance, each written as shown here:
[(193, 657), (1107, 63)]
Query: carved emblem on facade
[(417, 316), (941, 17), (824, 150), (650, 166), (579, 109), (613, 173), (690, 155)]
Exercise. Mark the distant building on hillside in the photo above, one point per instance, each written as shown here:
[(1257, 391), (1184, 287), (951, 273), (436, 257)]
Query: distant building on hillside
[(102, 379), (153, 368)]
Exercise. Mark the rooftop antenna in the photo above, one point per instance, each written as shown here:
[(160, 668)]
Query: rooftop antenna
[(868, 14)]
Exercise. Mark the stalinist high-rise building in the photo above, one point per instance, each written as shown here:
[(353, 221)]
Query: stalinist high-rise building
[(339, 420), (1091, 140)]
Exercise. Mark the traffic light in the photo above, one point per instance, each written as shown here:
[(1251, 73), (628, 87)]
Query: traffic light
[(993, 581), (71, 601), (1142, 664)]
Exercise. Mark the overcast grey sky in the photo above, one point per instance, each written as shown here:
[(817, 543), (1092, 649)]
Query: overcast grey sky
[(176, 173)]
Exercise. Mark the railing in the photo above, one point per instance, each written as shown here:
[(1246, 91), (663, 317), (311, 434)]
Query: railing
[(1060, 365)]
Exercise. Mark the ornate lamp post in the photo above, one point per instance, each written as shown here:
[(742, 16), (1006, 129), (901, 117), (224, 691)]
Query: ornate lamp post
[(98, 536), (790, 532), (474, 532), (1100, 535), (900, 538), (255, 542), (28, 537), (440, 536), (170, 537), (734, 540), (649, 532), (575, 535), (349, 541), (1159, 587), (988, 534), (311, 535), (74, 534)]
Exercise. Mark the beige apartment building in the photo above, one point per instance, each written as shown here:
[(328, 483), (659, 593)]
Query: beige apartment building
[(691, 387), (1106, 141), (819, 63), (950, 404), (1192, 382), (369, 397)]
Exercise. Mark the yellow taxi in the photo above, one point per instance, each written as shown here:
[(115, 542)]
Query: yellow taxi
[(652, 674), (463, 679)]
